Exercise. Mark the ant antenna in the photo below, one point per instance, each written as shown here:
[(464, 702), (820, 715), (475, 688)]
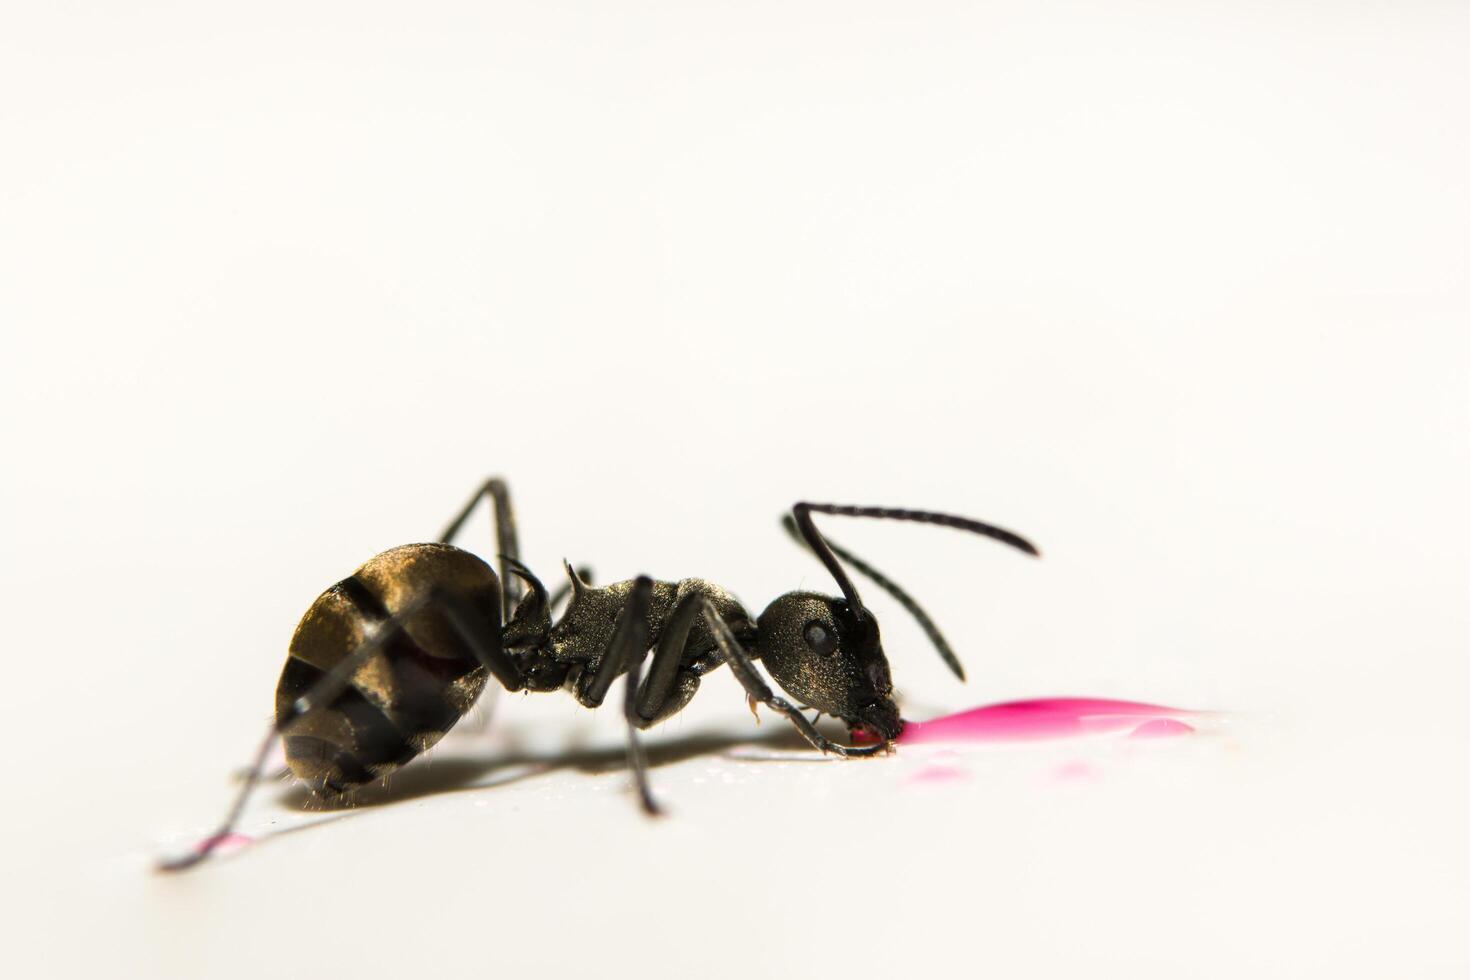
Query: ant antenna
[(895, 590), (799, 523)]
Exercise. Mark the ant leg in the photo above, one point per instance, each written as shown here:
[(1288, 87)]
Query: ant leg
[(243, 773), (673, 676), (624, 654), (629, 639), (637, 649), (749, 677), (506, 544), (336, 680), (664, 670), (507, 547), (652, 699)]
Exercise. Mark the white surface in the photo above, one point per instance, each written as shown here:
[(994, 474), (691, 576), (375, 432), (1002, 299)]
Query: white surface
[(1178, 290)]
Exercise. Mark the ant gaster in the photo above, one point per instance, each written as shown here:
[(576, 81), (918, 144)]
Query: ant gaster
[(388, 659)]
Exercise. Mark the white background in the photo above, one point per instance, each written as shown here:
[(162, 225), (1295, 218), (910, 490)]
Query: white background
[(1178, 290)]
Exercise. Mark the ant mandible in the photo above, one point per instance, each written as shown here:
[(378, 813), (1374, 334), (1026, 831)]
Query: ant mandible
[(387, 660)]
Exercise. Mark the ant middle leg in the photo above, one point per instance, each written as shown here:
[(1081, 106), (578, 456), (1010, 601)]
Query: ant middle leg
[(624, 654), (673, 677)]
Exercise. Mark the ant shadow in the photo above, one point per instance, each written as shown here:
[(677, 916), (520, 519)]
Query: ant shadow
[(439, 774)]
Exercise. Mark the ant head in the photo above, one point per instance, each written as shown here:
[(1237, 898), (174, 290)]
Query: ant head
[(830, 657)]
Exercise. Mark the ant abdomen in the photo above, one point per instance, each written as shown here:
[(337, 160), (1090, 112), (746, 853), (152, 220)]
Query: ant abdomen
[(401, 700)]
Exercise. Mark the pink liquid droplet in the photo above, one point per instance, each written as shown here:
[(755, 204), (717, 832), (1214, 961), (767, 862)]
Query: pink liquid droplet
[(1043, 718), (1161, 728), (937, 774), (226, 843), (1074, 771)]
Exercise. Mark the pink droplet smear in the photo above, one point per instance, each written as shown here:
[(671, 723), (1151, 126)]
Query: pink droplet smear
[(225, 844), (1042, 718), (938, 774)]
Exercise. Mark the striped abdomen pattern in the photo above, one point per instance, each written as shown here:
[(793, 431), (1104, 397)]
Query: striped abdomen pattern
[(405, 697)]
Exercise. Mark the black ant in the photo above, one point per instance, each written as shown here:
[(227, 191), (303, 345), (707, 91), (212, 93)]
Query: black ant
[(388, 659)]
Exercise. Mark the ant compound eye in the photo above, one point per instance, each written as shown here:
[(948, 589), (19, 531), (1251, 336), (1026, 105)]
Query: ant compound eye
[(820, 637)]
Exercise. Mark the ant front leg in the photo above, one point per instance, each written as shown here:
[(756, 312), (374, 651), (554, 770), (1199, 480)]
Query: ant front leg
[(671, 682), (750, 678)]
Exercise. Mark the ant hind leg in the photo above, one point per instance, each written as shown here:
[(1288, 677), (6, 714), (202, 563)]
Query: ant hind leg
[(485, 647), (507, 546)]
